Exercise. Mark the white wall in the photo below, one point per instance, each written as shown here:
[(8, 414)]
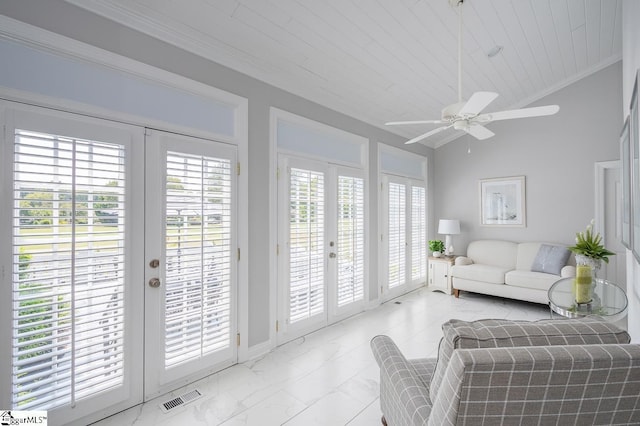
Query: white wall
[(556, 154), (631, 63)]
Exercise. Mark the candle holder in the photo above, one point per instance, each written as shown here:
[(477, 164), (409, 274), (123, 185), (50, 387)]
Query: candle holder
[(583, 285)]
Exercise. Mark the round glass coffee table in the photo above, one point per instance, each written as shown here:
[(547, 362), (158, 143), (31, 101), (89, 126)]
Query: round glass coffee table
[(609, 301)]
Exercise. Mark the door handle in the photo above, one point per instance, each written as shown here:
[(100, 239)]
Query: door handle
[(154, 282), (332, 255)]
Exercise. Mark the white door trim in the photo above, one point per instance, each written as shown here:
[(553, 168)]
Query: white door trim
[(601, 168)]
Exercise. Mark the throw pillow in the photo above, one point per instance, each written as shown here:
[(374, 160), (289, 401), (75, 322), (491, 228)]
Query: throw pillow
[(496, 333), (550, 259), (461, 260)]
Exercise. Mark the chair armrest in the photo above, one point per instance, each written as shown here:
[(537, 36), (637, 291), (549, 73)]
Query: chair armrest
[(463, 260), (404, 398), (568, 271)]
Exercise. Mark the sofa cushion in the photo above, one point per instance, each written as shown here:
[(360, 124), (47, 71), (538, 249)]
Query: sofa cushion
[(550, 259), (494, 333), (476, 272), (528, 279), (493, 252), (526, 254)]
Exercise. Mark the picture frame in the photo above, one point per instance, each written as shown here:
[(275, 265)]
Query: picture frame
[(634, 146), (635, 171), (625, 158), (503, 202)]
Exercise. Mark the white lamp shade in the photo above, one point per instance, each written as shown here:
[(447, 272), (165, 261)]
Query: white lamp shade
[(449, 227)]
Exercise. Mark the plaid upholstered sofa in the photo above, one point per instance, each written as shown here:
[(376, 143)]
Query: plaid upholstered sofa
[(501, 372)]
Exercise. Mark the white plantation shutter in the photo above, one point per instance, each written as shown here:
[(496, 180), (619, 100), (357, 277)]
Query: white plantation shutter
[(306, 244), (397, 234), (350, 240), (68, 269), (418, 233), (198, 257)]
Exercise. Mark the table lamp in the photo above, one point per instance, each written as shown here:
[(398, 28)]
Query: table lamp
[(448, 227)]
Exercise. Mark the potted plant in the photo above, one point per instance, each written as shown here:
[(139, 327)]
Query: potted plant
[(589, 248), (437, 247), (590, 252)]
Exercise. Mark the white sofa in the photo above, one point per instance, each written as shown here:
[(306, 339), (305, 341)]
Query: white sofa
[(503, 268)]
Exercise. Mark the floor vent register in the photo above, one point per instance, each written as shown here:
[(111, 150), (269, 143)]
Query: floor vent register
[(180, 400)]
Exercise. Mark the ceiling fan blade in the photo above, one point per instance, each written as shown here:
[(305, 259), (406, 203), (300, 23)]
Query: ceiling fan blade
[(479, 132), (426, 135), (520, 113), (400, 123), (477, 102)]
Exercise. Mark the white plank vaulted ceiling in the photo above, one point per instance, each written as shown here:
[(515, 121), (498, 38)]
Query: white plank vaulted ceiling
[(389, 60)]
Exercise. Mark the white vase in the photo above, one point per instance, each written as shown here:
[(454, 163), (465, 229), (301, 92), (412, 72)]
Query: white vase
[(595, 264), (437, 254)]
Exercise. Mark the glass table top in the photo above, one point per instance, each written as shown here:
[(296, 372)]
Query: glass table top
[(609, 300)]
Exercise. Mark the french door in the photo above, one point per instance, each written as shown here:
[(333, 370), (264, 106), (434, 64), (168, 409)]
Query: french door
[(321, 269), (404, 255), (118, 286), (190, 296), (72, 299)]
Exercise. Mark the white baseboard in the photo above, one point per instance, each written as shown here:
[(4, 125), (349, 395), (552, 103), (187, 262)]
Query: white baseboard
[(256, 351)]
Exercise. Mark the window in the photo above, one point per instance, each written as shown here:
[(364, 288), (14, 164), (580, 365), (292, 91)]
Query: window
[(397, 234), (306, 251), (198, 257), (350, 240), (68, 269), (418, 233), (405, 233)]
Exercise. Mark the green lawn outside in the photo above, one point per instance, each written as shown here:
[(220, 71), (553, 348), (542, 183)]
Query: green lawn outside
[(186, 236)]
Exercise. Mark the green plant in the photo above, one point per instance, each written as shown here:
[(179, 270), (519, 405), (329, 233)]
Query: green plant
[(590, 244), (436, 245)]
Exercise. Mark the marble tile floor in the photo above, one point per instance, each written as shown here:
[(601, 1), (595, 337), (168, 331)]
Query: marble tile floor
[(328, 377)]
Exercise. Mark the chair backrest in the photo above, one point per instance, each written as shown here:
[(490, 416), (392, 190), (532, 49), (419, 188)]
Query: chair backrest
[(577, 384), (496, 333)]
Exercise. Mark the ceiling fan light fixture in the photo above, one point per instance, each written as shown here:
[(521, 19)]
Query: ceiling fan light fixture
[(461, 125), (467, 115), (450, 112), (494, 51)]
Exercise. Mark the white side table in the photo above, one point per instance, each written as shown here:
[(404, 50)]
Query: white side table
[(440, 273)]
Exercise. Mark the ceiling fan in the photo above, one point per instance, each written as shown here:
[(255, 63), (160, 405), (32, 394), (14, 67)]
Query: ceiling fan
[(466, 115)]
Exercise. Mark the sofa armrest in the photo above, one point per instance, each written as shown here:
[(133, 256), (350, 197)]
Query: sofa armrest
[(404, 398), (568, 271), (463, 260)]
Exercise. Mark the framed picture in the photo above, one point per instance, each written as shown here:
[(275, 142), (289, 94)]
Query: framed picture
[(635, 171), (625, 158), (502, 202), (634, 145)]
